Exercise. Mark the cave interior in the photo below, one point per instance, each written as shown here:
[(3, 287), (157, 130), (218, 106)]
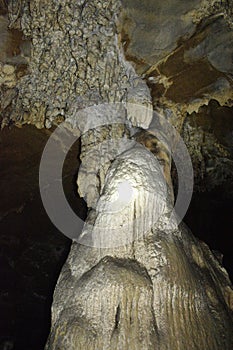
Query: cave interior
[(193, 74)]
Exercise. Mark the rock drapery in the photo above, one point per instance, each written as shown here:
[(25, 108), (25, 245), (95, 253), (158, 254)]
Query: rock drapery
[(165, 290)]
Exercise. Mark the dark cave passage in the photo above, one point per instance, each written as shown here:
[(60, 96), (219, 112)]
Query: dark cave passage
[(32, 250), (210, 217)]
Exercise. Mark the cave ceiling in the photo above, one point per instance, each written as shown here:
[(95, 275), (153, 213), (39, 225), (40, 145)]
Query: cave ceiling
[(182, 50)]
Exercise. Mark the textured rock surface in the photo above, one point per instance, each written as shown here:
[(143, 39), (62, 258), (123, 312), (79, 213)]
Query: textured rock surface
[(208, 135), (181, 61), (14, 57), (121, 214), (154, 29), (185, 68), (75, 60), (182, 49), (163, 289), (166, 290), (153, 293), (116, 324)]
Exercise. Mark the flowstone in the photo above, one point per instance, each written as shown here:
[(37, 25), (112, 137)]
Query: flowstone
[(152, 287)]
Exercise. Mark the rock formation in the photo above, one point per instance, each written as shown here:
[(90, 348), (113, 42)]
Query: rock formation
[(156, 287), (136, 278)]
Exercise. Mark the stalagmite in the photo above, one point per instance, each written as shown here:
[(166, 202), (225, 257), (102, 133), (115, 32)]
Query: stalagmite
[(138, 281), (136, 278)]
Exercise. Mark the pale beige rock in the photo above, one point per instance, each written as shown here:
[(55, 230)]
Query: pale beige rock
[(8, 69), (163, 290)]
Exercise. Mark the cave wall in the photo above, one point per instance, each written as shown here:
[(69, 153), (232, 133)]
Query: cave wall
[(176, 57)]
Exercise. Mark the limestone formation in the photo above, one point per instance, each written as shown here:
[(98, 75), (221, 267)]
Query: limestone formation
[(136, 278), (172, 293), (210, 142), (136, 282), (75, 60)]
